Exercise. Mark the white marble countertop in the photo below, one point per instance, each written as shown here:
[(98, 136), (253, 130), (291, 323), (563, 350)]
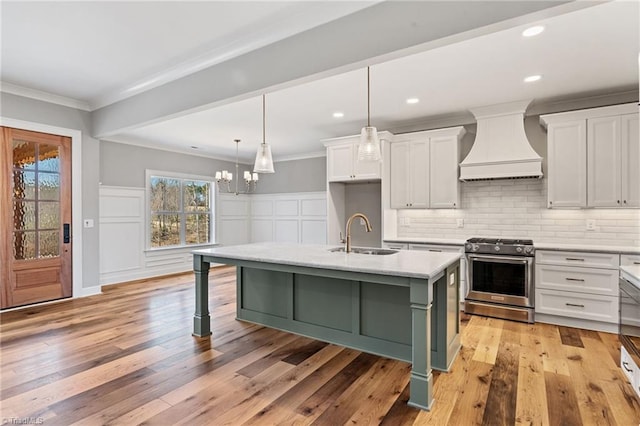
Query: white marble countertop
[(631, 273), (405, 263)]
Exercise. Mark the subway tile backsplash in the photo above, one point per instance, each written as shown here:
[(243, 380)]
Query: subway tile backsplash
[(517, 209)]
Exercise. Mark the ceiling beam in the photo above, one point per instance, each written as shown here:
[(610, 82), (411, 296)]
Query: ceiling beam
[(378, 33)]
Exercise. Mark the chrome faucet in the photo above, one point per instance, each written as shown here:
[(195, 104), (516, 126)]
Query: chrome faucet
[(367, 226)]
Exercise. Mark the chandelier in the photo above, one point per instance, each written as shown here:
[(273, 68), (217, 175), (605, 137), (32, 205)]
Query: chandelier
[(224, 178)]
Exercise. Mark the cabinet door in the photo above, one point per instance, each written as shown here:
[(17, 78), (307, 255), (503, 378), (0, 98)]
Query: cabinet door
[(365, 170), (444, 181), (399, 175), (567, 185), (419, 174), (603, 165), (630, 157), (340, 163)]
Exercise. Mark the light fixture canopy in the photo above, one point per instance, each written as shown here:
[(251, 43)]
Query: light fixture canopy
[(369, 146), (264, 159)]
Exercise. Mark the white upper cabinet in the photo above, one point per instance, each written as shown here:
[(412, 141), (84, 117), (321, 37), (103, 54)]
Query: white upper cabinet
[(343, 164), (410, 174), (594, 157), (567, 164), (444, 182), (630, 160), (424, 169), (603, 162)]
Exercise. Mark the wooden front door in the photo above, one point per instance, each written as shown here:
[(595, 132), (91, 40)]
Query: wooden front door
[(35, 218)]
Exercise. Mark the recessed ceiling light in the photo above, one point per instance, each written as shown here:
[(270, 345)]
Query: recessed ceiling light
[(532, 78), (413, 100), (533, 31), (338, 114), (194, 147)]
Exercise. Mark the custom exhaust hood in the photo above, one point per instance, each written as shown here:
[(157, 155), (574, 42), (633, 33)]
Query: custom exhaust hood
[(501, 149)]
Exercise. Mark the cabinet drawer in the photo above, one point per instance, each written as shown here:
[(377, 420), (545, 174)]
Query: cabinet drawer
[(577, 305), (629, 368), (436, 248), (629, 259), (579, 280), (395, 246), (587, 260)]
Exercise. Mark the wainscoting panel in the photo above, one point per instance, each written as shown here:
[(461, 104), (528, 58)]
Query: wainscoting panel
[(296, 217), (240, 219)]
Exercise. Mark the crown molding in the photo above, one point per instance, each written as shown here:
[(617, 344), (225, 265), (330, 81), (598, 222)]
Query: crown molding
[(315, 154), (39, 95)]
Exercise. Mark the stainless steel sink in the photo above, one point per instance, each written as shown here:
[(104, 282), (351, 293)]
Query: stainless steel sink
[(365, 250)]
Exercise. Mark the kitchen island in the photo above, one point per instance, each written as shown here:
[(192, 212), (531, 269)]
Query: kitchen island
[(402, 305)]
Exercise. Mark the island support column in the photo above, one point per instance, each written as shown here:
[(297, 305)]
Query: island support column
[(201, 318), (421, 382)]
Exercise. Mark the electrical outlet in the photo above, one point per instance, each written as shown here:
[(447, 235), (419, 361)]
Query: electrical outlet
[(460, 223), (591, 224)]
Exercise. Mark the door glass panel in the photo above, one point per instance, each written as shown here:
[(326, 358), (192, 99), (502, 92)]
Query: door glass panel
[(48, 186), (36, 191), (48, 158), (24, 184), (24, 215), (49, 215), (49, 243), (24, 245), (24, 154)]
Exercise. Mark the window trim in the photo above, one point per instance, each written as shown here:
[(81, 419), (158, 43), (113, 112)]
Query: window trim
[(182, 176)]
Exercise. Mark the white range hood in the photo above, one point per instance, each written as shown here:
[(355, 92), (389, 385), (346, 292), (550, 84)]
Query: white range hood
[(501, 149)]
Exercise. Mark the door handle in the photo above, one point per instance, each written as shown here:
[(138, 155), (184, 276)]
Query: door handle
[(66, 233)]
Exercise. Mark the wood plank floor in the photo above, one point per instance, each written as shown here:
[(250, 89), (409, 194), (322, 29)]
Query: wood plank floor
[(127, 357)]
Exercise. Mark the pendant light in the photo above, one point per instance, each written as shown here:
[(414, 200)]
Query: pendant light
[(369, 146), (264, 160)]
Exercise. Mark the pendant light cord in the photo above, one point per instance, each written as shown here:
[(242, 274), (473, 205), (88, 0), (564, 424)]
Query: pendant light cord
[(368, 100), (264, 138)]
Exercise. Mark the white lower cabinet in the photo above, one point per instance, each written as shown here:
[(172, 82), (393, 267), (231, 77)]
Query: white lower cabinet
[(630, 369), (578, 289)]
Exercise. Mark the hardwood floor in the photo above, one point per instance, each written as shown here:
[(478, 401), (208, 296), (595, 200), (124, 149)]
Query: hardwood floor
[(127, 357)]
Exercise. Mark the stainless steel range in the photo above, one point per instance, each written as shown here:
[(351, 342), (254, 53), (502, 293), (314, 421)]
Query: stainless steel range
[(500, 277)]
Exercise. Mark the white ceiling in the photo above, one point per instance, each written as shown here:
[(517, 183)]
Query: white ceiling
[(593, 50)]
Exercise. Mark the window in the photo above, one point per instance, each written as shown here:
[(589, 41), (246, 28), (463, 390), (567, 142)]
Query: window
[(180, 209)]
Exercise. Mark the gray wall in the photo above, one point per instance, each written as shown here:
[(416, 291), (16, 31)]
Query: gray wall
[(125, 165), (26, 109), (306, 175)]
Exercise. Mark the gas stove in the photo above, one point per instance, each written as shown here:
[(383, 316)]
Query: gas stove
[(500, 246)]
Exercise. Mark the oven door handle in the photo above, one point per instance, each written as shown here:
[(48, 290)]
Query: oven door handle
[(503, 259)]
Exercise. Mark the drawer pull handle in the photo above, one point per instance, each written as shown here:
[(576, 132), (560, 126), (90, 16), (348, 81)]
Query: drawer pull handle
[(636, 263), (575, 279), (626, 367), (575, 258), (574, 305), (435, 250)]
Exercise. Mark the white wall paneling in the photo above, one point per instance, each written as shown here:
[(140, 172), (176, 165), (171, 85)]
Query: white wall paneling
[(292, 217), (240, 219), (123, 250)]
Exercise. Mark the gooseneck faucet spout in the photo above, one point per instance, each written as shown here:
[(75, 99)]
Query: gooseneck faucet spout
[(367, 226)]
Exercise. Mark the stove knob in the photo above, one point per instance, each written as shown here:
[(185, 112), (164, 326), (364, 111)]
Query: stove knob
[(528, 249), (496, 248), (468, 246), (475, 247), (519, 249)]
